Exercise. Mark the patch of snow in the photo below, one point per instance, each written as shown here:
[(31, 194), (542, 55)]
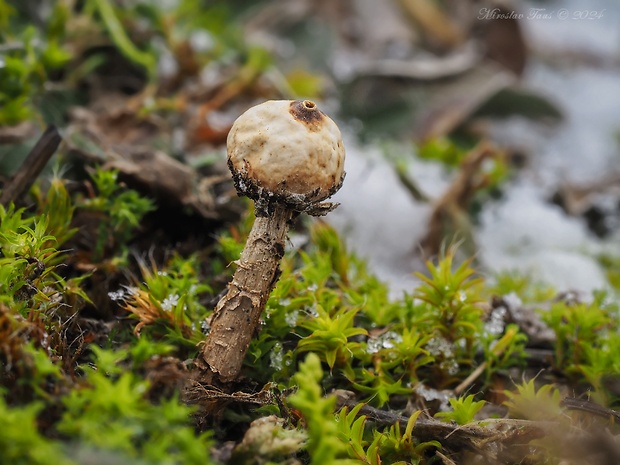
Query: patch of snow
[(583, 148), (528, 234), (378, 217), (386, 340), (588, 26), (525, 231)]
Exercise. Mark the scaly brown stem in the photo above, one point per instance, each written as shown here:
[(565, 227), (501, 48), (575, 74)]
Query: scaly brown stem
[(237, 314)]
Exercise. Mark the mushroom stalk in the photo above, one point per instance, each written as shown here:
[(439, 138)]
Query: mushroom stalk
[(288, 157), (237, 314)]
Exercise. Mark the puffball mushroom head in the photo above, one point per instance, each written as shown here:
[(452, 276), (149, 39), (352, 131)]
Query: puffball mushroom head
[(288, 152)]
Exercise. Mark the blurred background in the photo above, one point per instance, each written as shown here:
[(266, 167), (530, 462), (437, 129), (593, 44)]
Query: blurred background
[(491, 125)]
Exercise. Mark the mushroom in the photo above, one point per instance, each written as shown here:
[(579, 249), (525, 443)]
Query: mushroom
[(288, 157)]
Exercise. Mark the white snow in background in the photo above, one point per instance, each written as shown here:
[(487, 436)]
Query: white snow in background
[(379, 219), (524, 231), (601, 35), (583, 148)]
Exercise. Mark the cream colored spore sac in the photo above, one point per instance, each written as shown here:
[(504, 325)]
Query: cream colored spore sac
[(286, 150)]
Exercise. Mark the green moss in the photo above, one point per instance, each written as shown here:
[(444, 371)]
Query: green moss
[(464, 410), (20, 440), (324, 446), (329, 328), (110, 411)]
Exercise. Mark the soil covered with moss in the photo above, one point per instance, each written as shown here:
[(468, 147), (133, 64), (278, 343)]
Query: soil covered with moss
[(120, 229)]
